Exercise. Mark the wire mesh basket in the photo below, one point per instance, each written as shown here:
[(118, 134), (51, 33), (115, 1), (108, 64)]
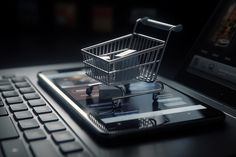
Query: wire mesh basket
[(129, 58)]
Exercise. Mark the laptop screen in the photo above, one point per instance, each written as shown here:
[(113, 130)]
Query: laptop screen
[(211, 64)]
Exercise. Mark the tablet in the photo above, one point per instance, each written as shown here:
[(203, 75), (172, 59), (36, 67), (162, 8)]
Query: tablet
[(134, 115)]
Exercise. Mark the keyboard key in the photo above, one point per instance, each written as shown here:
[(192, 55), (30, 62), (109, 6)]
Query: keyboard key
[(70, 147), (9, 94), (34, 134), (78, 154), (4, 82), (18, 79), (8, 76), (18, 107), (48, 117), (14, 100), (26, 90), (1, 153), (31, 96), (6, 88), (62, 136), (28, 124), (42, 109), (22, 84), (9, 130), (43, 148), (23, 115), (37, 102), (3, 111), (1, 103), (14, 148), (54, 126)]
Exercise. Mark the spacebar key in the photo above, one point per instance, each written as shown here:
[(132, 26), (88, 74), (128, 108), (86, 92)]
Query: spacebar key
[(43, 148), (8, 129), (14, 148)]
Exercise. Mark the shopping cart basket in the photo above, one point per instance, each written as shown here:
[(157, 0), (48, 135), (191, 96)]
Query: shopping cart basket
[(133, 57)]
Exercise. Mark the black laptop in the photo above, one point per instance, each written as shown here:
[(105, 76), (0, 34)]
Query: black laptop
[(210, 66)]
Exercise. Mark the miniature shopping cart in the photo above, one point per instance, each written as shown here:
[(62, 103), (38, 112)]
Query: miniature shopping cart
[(133, 57)]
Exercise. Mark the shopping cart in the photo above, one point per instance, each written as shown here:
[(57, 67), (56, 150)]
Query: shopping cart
[(130, 58)]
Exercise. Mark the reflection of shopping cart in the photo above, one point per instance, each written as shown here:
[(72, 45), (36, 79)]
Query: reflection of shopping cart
[(133, 57)]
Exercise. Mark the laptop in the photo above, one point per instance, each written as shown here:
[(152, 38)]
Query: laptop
[(32, 126), (211, 61)]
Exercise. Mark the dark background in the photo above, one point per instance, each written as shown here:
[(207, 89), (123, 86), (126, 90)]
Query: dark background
[(33, 31)]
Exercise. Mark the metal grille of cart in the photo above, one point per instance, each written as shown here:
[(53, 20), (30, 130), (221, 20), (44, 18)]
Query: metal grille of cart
[(123, 60), (130, 58)]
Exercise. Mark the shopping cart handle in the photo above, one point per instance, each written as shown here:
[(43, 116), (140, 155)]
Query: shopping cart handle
[(160, 25), (178, 28)]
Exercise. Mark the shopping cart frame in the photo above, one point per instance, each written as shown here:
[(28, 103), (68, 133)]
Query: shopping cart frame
[(113, 72)]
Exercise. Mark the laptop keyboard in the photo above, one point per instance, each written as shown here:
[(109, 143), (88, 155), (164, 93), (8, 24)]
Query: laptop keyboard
[(30, 127)]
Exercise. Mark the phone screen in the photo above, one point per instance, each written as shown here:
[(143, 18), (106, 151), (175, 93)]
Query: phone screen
[(132, 113)]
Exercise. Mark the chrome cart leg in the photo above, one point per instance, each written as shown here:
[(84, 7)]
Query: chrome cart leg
[(155, 95), (122, 89), (118, 102)]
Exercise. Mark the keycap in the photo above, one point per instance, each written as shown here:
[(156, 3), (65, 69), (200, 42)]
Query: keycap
[(48, 117), (42, 110), (1, 153), (79, 154), (14, 148), (9, 130), (54, 126), (3, 111), (34, 134), (22, 84), (28, 124), (14, 100), (62, 136), (26, 90), (31, 96), (4, 82), (70, 147), (18, 107), (37, 102), (8, 76), (43, 148), (6, 88), (23, 115), (9, 94), (18, 79), (1, 103)]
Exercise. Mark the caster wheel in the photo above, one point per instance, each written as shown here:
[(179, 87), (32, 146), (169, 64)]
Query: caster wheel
[(116, 104), (89, 91)]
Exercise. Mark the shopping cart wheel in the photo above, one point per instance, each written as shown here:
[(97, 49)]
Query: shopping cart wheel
[(116, 103), (155, 96), (89, 90)]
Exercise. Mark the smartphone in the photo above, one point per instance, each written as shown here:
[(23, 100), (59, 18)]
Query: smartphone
[(134, 115)]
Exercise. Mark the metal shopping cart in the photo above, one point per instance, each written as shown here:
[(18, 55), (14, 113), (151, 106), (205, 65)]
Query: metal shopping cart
[(130, 58)]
